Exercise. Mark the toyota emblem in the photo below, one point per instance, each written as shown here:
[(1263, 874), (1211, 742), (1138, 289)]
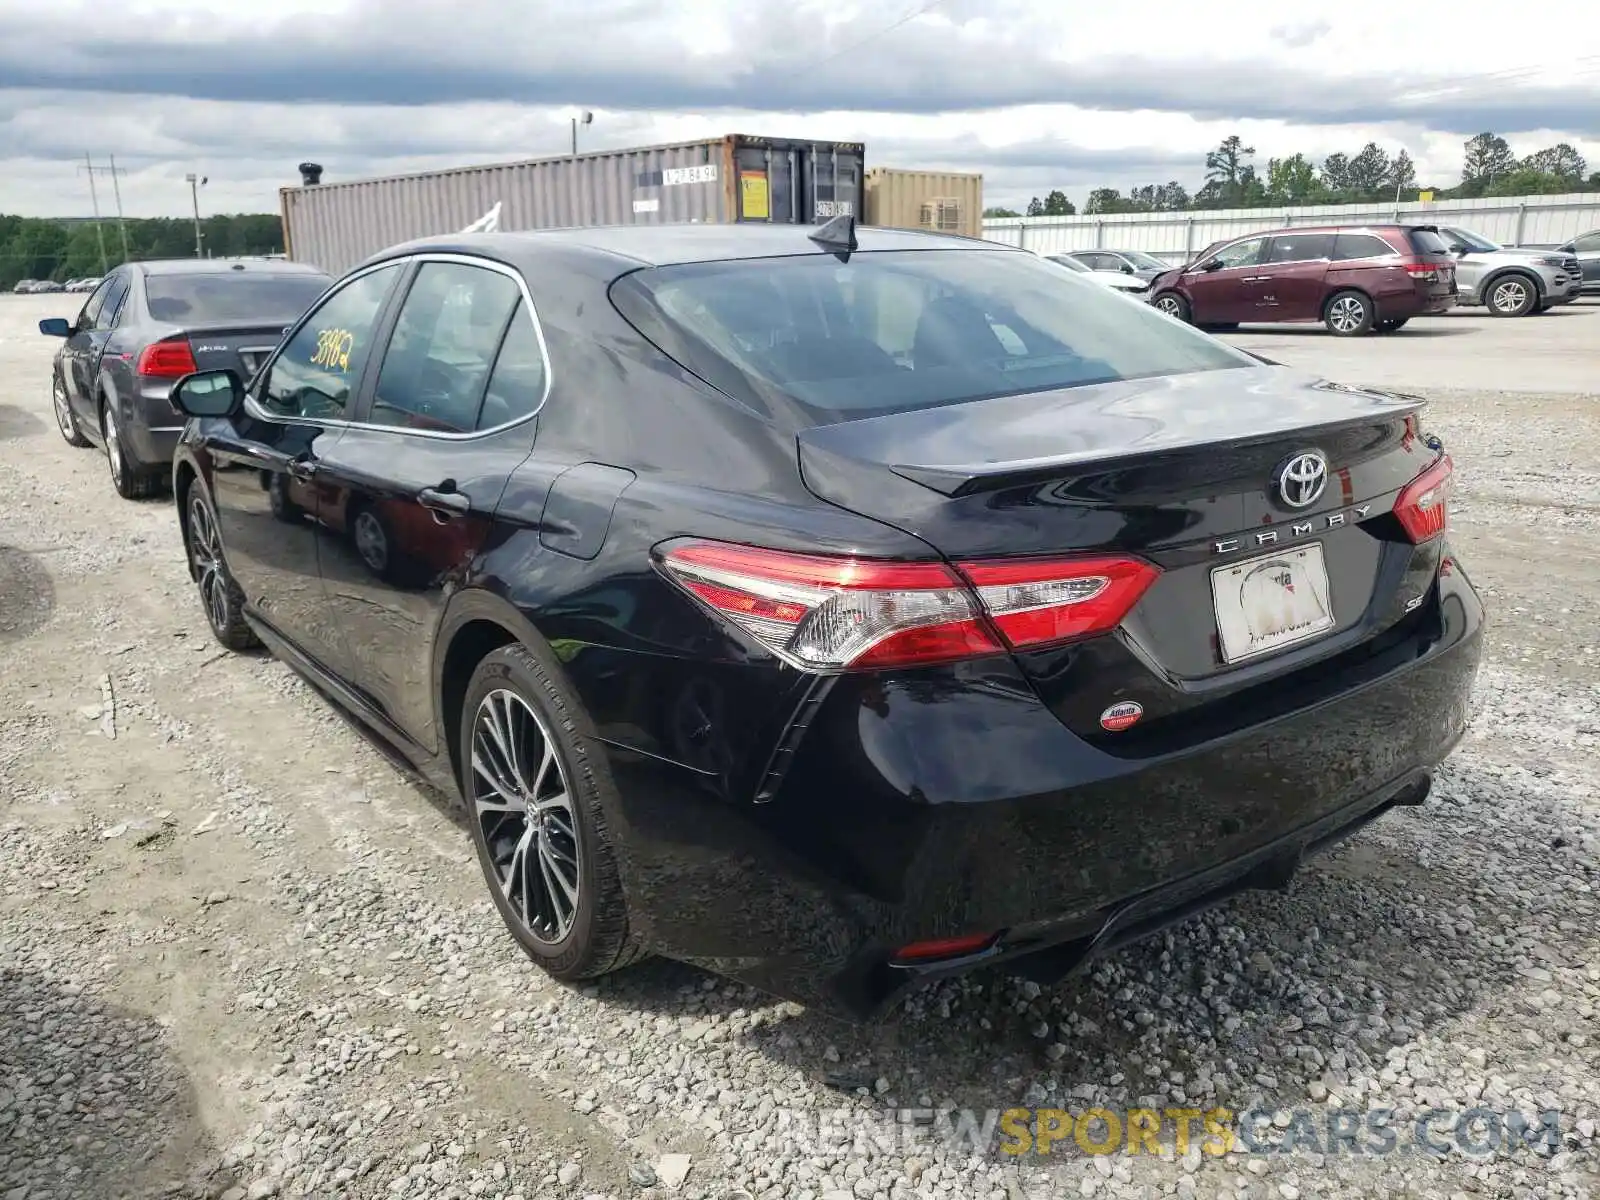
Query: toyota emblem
[(1302, 479)]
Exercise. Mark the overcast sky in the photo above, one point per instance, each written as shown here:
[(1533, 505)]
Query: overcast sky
[(1035, 94)]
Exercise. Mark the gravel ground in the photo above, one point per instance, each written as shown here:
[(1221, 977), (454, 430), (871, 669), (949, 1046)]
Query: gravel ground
[(241, 955)]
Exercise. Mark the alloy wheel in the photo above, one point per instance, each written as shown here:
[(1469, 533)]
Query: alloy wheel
[(524, 809), (371, 543), (1510, 295), (58, 395), (1168, 305), (108, 426), (1347, 314), (205, 551)]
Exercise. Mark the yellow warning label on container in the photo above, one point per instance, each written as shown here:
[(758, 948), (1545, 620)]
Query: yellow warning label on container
[(753, 193), (1425, 197)]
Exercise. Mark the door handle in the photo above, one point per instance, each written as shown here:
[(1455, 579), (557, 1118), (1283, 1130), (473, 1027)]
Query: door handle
[(444, 500)]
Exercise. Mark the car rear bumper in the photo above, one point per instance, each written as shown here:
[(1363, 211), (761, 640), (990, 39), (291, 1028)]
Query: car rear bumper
[(150, 432), (952, 802)]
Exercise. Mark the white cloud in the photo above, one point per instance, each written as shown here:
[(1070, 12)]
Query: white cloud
[(1034, 95)]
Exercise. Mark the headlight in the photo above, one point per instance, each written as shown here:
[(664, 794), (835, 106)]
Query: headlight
[(1548, 262)]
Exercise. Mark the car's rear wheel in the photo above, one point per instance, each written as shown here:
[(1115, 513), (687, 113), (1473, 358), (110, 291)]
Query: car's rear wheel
[(66, 422), (1173, 305), (220, 596), (131, 482), (535, 798), (1513, 295), (1391, 324), (1348, 314)]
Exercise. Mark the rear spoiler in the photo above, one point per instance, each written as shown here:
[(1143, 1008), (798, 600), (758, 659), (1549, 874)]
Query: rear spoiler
[(963, 479)]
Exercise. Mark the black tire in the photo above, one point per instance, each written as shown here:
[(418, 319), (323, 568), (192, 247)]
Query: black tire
[(1348, 314), (132, 482), (220, 597), (373, 541), (1220, 326), (1174, 305), (600, 938), (66, 419), (283, 508), (1513, 294), (1391, 324)]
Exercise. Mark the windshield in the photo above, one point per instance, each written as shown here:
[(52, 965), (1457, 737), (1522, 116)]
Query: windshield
[(207, 298), (898, 330), (1145, 262), (1470, 240)]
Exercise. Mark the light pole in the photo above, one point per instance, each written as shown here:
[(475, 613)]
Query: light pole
[(196, 182), (586, 119)]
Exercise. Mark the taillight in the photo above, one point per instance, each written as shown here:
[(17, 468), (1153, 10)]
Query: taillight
[(1422, 269), (171, 359), (1040, 601), (826, 613), (1423, 506)]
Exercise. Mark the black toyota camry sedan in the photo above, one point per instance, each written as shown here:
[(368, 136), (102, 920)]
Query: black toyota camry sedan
[(835, 608)]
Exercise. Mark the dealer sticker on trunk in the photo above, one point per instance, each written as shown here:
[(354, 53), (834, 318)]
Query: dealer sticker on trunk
[(1269, 603)]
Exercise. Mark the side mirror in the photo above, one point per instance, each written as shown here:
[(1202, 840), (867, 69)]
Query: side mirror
[(1457, 249), (55, 327), (1126, 269), (1211, 264), (209, 393)]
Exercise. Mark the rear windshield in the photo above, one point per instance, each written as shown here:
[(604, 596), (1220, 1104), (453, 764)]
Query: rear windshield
[(892, 331), (203, 298), (1426, 241)]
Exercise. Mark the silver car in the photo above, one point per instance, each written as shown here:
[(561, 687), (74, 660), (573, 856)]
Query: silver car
[(1510, 282)]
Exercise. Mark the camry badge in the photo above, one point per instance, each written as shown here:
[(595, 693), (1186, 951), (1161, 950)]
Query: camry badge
[(1120, 716), (1302, 478)]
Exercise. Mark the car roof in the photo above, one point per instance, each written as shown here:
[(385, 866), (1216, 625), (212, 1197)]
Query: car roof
[(221, 266), (632, 246)]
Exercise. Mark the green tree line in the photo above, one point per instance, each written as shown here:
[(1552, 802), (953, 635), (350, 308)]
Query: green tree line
[(1488, 168), (44, 248)]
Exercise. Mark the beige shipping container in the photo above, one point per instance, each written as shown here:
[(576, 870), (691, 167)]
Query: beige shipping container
[(941, 201)]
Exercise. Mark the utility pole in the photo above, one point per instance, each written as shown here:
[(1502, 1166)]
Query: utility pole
[(113, 170), (196, 182), (586, 119), (94, 199)]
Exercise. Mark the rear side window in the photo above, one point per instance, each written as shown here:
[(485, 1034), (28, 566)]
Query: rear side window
[(1426, 241), (1360, 245), (1300, 247), (116, 300), (516, 388), (444, 343), (221, 297), (896, 330)]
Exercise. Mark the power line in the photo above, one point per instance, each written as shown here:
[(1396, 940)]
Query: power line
[(812, 64)]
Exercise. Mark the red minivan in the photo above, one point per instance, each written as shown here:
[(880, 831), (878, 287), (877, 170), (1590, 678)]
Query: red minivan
[(1354, 279)]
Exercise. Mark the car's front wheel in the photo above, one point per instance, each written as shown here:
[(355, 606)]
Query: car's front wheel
[(66, 422), (219, 594), (1174, 305), (1513, 296), (534, 794)]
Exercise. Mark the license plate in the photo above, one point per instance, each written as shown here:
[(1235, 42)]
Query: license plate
[(1268, 603)]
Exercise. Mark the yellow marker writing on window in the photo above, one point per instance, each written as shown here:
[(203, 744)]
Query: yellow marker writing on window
[(333, 349)]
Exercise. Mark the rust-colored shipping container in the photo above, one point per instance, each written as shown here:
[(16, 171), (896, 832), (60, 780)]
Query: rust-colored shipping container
[(734, 178), (941, 201)]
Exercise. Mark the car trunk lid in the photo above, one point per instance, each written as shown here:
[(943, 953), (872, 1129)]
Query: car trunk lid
[(1186, 472)]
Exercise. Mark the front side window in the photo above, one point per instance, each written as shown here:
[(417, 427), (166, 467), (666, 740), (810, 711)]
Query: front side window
[(318, 370), (443, 348), (1240, 254), (896, 330), (1589, 243)]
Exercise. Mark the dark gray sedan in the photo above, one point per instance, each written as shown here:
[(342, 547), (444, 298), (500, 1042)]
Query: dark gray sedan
[(145, 327)]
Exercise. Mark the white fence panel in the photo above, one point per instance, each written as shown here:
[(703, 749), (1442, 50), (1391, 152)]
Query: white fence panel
[(1175, 236)]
